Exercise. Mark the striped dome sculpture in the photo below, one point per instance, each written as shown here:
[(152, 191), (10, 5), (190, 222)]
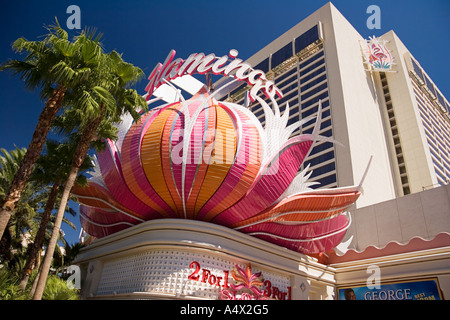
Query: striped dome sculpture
[(213, 161)]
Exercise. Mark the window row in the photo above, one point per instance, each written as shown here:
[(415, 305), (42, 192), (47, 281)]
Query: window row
[(296, 46), (431, 87)]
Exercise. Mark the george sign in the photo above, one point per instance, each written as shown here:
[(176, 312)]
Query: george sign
[(414, 290), (202, 64), (377, 56)]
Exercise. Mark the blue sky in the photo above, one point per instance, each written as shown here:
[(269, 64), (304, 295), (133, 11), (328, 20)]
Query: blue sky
[(145, 31)]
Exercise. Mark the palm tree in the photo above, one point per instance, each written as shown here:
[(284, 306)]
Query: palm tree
[(51, 168), (17, 246), (9, 162), (105, 98), (20, 228), (56, 66)]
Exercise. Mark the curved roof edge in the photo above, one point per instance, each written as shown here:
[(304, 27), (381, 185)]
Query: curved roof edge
[(392, 248)]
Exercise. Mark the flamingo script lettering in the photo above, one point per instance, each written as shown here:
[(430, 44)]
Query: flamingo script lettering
[(201, 64)]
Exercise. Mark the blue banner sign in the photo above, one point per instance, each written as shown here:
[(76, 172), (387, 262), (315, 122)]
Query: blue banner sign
[(414, 290)]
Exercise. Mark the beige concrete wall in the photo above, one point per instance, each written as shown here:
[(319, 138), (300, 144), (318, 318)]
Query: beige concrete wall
[(424, 214), (354, 96)]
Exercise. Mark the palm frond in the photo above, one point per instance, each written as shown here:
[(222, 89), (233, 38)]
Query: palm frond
[(63, 72), (57, 30)]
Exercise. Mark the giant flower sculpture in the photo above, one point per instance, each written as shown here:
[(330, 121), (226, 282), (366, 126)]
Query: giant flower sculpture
[(213, 161)]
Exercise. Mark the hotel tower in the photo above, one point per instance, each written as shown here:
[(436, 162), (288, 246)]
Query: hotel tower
[(398, 117)]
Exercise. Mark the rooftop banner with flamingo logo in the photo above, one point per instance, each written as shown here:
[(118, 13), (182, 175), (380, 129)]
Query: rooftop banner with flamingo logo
[(377, 56)]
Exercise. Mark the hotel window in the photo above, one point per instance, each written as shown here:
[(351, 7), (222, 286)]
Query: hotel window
[(435, 123), (286, 98), (282, 55), (240, 87), (314, 88), (429, 85), (303, 84), (306, 38), (328, 181), (263, 65), (290, 86), (402, 173), (320, 148), (417, 69), (314, 91), (312, 83), (324, 169), (441, 99), (314, 100), (279, 80), (312, 75), (313, 110), (312, 59), (312, 67)]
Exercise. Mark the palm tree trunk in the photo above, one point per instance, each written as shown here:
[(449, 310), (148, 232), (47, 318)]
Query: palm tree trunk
[(48, 114), (80, 153), (35, 282), (40, 235)]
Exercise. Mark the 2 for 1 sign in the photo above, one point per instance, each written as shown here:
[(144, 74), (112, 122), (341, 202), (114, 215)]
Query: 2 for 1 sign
[(221, 280)]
